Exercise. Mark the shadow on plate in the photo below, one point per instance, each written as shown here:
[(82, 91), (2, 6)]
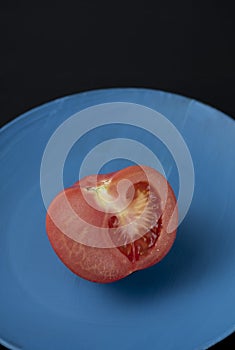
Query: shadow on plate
[(183, 267)]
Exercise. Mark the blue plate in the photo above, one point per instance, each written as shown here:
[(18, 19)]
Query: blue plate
[(184, 302)]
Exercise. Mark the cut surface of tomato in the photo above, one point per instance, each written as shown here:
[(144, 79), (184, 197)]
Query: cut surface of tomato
[(105, 227)]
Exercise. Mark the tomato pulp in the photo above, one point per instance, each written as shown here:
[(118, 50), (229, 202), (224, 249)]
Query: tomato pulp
[(105, 227)]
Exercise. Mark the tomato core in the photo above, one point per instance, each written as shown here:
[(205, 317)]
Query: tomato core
[(144, 211)]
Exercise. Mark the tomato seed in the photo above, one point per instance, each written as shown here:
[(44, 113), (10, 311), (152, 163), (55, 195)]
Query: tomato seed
[(113, 222)]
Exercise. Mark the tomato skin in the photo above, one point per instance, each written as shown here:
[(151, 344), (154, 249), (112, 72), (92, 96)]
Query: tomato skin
[(107, 264)]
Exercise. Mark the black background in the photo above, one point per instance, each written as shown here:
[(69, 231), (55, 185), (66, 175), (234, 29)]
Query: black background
[(51, 49)]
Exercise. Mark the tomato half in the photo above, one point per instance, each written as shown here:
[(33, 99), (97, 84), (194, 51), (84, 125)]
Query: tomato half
[(105, 227)]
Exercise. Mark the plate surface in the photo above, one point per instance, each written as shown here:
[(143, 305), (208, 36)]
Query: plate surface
[(184, 302)]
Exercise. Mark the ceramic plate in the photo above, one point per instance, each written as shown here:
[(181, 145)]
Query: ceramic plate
[(184, 302)]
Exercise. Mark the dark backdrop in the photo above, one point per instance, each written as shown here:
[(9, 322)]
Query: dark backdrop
[(50, 50)]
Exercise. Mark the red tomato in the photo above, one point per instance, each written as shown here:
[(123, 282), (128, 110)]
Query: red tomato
[(105, 227)]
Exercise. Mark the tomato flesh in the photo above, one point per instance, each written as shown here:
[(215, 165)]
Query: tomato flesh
[(134, 215), (151, 224)]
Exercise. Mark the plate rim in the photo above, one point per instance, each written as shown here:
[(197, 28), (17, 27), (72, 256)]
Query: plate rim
[(25, 114)]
